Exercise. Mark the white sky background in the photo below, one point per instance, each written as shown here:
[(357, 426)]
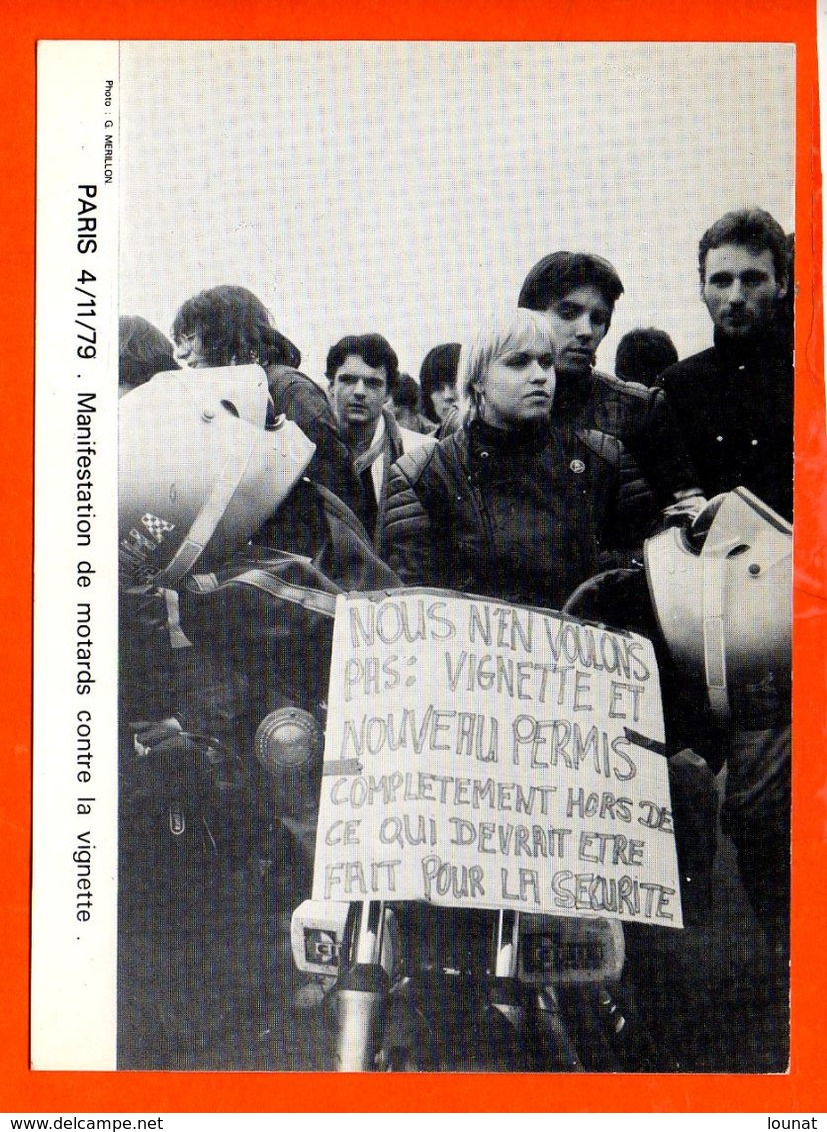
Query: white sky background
[(408, 188)]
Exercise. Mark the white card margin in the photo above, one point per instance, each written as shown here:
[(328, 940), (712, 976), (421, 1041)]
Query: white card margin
[(73, 1020)]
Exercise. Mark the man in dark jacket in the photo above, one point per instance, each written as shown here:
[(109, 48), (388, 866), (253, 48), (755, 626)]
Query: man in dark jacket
[(735, 400), (577, 293)]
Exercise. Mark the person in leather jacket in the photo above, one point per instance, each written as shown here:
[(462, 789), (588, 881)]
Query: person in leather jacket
[(509, 506), (229, 325), (512, 505), (577, 292)]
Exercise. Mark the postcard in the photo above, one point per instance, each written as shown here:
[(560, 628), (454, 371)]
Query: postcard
[(358, 361)]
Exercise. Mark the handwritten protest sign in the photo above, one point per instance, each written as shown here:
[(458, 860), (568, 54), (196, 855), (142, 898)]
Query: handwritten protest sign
[(486, 755)]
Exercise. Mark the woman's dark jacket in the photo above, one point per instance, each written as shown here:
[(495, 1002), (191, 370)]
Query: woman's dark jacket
[(524, 515)]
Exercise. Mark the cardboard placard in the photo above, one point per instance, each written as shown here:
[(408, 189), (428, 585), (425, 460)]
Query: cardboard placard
[(480, 754)]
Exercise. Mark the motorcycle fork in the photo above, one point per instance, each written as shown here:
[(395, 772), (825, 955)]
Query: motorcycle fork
[(504, 991), (555, 1050), (363, 989)]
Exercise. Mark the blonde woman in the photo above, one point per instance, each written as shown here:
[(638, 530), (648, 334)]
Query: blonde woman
[(511, 506)]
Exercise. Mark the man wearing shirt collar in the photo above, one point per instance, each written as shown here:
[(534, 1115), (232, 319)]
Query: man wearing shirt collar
[(363, 370)]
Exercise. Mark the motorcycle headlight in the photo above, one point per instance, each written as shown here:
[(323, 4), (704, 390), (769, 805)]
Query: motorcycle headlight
[(288, 741)]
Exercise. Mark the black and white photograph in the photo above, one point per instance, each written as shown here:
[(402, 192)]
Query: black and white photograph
[(449, 660)]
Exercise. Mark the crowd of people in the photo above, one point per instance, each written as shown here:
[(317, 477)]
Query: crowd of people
[(514, 468)]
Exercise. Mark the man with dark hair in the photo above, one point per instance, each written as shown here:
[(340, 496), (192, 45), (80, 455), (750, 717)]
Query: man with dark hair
[(643, 354), (735, 400), (735, 403), (363, 370), (577, 293), (750, 228)]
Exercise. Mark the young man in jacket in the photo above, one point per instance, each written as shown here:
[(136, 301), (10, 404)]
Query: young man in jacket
[(577, 292), (363, 370)]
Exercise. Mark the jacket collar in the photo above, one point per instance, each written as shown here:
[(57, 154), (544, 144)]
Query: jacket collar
[(511, 441), (735, 351), (393, 434)]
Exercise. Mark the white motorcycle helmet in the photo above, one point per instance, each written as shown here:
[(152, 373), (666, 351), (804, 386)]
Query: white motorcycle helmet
[(198, 470), (723, 601)]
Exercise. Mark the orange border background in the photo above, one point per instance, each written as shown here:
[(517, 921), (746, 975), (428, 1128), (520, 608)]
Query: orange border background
[(803, 1089)]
